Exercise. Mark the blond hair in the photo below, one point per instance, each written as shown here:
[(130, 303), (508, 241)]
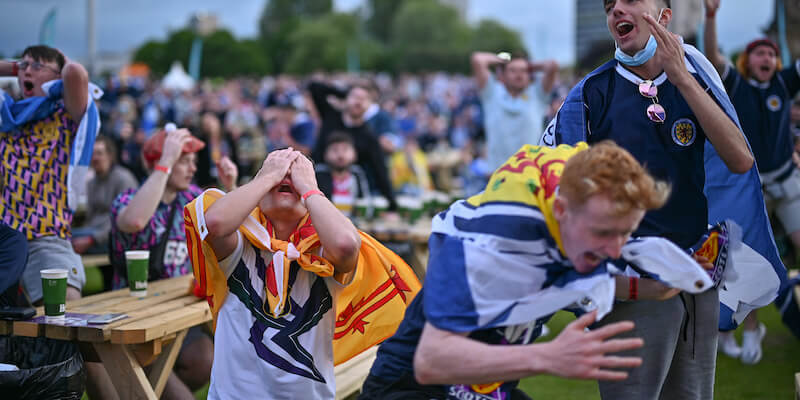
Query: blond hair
[(605, 168)]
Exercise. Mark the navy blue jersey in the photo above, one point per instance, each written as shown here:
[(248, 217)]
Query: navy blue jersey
[(671, 151), (381, 123), (396, 355), (763, 110)]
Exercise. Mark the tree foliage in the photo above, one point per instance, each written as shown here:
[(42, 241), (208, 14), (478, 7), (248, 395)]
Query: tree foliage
[(223, 55), (302, 36), (427, 35), (492, 36), (279, 21), (380, 19)]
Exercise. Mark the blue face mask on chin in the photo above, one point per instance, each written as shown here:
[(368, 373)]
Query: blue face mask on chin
[(642, 56)]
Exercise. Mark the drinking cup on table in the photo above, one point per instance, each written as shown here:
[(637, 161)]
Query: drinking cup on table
[(137, 264), (54, 290)]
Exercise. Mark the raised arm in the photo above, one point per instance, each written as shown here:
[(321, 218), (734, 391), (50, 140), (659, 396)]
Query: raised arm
[(226, 214), (76, 88), (135, 216), (340, 239), (319, 96), (550, 69), (444, 357), (726, 137), (7, 68), (710, 37), (481, 64)]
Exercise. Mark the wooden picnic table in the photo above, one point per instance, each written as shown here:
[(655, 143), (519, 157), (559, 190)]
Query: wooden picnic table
[(151, 335), (95, 260), (415, 234)]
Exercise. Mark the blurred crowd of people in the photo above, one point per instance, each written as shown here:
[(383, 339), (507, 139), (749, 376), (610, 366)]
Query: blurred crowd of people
[(418, 121)]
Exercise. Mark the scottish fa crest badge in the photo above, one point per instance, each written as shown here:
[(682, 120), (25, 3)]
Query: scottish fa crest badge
[(684, 132), (774, 103)]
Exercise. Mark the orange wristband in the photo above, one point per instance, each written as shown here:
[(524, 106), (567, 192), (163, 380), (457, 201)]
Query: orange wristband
[(309, 194), (162, 168)]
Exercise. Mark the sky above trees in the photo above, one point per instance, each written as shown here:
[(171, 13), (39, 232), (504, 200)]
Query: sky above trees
[(546, 26)]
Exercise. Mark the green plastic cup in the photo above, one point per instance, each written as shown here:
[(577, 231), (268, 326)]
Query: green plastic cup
[(54, 290), (138, 261)]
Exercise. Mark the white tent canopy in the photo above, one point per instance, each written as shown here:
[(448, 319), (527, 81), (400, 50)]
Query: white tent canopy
[(177, 78)]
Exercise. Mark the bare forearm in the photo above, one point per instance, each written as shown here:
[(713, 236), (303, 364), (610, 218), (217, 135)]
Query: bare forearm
[(710, 45), (7, 68), (550, 76), (338, 236), (76, 89), (723, 134), (226, 214), (137, 213), (455, 359), (481, 62)]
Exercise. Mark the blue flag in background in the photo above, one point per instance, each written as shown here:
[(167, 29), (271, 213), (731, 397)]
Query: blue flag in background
[(47, 30)]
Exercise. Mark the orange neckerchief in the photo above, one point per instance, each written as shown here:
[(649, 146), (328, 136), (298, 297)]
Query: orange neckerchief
[(299, 247)]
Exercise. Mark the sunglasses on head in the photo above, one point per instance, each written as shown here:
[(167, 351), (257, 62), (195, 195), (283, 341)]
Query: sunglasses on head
[(655, 112)]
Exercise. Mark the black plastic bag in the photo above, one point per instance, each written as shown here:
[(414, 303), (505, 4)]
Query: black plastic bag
[(48, 369)]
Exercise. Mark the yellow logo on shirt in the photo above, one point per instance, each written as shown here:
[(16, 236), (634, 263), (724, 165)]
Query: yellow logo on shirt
[(774, 103), (684, 132), (486, 388)]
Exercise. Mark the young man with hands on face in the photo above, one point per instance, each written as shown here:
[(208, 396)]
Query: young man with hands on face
[(273, 258)]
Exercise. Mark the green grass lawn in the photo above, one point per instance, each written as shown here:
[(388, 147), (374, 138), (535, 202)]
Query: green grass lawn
[(772, 378)]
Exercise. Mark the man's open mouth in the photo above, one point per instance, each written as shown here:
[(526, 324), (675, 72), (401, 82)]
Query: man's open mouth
[(285, 188), (624, 28), (28, 85), (764, 68)]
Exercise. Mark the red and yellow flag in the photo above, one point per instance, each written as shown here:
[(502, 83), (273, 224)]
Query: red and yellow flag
[(530, 177)]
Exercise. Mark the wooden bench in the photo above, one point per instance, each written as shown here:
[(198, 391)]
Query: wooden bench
[(400, 231), (151, 335)]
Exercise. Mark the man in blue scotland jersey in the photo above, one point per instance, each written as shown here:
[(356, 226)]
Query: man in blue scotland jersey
[(761, 90), (661, 100)]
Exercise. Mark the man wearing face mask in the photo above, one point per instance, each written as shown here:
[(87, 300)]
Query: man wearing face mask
[(514, 104), (761, 91), (662, 100)]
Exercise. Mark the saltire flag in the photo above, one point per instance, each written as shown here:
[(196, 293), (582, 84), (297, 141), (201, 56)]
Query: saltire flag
[(758, 272), (497, 258), (369, 310)]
